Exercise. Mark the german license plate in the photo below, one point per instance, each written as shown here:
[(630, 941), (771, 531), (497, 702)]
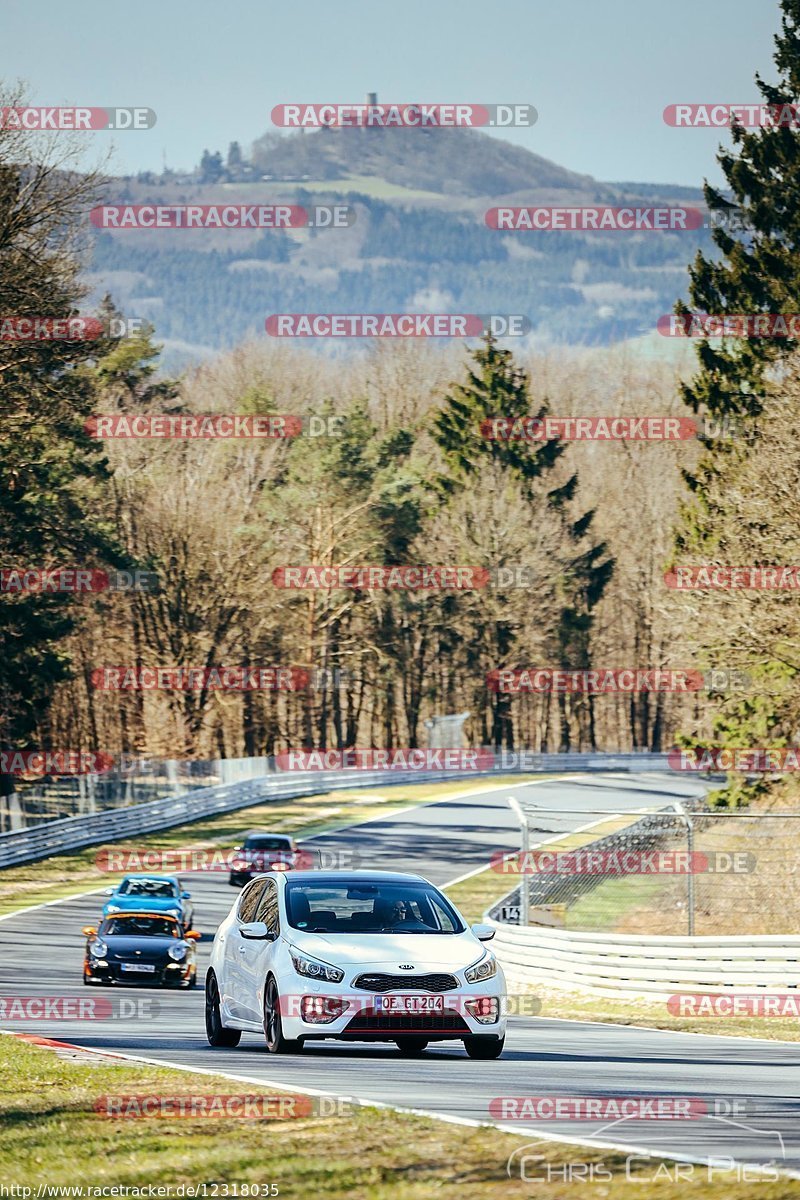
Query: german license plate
[(409, 1004), (148, 968)]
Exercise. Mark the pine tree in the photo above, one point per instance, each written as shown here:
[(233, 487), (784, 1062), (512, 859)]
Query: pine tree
[(497, 387), (759, 271), (52, 475)]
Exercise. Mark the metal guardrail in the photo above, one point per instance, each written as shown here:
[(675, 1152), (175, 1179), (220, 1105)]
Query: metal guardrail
[(76, 833), (136, 780), (654, 967)]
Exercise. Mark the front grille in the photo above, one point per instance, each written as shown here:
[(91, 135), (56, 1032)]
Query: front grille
[(406, 983), (440, 1022)]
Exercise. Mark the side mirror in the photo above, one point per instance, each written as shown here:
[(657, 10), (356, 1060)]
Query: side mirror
[(192, 935), (109, 891), (484, 933), (89, 930), (256, 931), (186, 895)]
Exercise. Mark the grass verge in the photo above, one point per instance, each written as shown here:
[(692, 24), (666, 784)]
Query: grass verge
[(50, 1134)]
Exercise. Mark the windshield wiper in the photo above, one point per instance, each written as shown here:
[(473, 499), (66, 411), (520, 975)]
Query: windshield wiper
[(397, 929)]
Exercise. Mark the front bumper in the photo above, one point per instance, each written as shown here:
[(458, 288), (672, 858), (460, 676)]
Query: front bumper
[(364, 1016), (172, 974)]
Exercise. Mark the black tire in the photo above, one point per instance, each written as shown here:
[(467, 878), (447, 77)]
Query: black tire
[(484, 1047), (411, 1045), (273, 1026), (216, 1032)]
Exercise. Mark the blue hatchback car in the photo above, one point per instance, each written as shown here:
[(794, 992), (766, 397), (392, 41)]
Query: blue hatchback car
[(153, 894)]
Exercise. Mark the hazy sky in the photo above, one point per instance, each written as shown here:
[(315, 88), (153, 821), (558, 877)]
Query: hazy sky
[(599, 71)]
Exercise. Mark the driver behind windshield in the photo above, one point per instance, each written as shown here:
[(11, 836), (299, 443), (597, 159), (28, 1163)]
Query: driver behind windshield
[(393, 914), (141, 927)]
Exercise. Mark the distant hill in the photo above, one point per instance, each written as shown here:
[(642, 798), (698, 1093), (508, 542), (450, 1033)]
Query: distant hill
[(419, 242), (452, 162)]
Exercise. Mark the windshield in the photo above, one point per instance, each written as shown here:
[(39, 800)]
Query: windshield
[(370, 907), (267, 843), (140, 927), (152, 888)]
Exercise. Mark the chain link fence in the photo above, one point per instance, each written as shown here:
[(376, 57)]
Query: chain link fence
[(129, 782), (692, 871)]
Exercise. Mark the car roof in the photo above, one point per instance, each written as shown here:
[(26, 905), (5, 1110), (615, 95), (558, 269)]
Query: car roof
[(268, 833), (151, 875), (123, 916), (354, 877)]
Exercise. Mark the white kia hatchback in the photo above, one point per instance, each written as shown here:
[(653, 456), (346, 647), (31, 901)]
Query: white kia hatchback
[(358, 956)]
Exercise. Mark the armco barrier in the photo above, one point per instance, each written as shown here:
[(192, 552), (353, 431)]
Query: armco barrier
[(653, 967), (75, 833)]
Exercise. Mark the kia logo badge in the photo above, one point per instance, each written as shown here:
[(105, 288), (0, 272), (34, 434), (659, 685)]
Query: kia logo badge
[(406, 967)]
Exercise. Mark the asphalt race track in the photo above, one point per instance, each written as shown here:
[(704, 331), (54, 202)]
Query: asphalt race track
[(750, 1088)]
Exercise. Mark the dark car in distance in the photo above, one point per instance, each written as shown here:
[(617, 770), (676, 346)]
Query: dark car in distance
[(140, 947), (261, 852)]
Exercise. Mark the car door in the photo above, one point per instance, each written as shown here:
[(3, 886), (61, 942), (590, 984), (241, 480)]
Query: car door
[(239, 1002), (257, 958)]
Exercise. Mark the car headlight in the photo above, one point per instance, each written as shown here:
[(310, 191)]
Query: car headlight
[(175, 912), (177, 952), (111, 908), (98, 949), (314, 969), (484, 968)]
